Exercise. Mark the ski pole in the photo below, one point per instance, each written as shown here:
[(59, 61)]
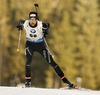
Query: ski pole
[(19, 41), (48, 47)]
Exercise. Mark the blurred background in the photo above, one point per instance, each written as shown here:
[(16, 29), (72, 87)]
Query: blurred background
[(73, 38)]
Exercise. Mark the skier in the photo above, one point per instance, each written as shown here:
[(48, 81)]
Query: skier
[(36, 31)]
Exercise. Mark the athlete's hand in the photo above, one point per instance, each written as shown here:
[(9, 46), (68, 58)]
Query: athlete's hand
[(19, 27), (45, 34), (48, 25)]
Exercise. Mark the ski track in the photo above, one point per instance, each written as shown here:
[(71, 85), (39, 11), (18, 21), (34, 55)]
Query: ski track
[(43, 91)]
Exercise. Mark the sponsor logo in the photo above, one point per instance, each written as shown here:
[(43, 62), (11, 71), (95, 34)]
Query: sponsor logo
[(33, 31)]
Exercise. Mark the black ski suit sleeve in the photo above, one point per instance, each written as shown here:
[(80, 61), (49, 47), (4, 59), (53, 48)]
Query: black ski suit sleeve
[(45, 27)]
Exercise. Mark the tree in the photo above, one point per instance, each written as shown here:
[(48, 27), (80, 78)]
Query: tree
[(86, 29)]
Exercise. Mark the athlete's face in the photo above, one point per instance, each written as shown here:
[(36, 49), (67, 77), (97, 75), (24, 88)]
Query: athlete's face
[(33, 21)]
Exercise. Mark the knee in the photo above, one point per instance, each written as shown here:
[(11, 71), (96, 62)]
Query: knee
[(28, 52)]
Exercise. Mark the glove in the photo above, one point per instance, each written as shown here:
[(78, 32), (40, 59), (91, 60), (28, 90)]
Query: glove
[(45, 34), (48, 24), (19, 27), (20, 24)]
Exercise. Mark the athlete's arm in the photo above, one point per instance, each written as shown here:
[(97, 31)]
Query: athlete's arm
[(45, 27)]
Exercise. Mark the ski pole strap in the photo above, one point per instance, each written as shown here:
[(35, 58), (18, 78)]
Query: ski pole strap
[(28, 77), (63, 77)]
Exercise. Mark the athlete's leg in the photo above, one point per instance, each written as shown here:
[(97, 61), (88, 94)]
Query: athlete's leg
[(29, 54), (46, 54)]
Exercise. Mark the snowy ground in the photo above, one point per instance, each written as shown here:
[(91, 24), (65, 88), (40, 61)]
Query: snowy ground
[(43, 91)]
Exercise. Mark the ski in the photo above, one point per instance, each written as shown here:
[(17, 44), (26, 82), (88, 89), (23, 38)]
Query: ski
[(26, 87), (76, 88)]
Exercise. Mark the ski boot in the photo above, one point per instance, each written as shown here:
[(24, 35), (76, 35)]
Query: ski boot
[(28, 80), (69, 84), (28, 83), (65, 81)]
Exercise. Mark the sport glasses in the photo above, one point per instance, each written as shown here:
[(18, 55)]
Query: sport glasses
[(32, 19)]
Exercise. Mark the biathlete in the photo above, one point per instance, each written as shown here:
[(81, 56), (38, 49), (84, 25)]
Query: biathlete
[(36, 31)]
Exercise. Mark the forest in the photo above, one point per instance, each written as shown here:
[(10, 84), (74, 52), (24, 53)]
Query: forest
[(73, 39)]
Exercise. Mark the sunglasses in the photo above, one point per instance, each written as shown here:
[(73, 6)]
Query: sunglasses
[(32, 19)]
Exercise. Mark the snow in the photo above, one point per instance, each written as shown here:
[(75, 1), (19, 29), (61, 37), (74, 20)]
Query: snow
[(43, 91)]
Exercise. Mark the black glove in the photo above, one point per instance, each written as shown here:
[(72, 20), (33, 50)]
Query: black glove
[(19, 27), (20, 24), (45, 34), (48, 24)]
